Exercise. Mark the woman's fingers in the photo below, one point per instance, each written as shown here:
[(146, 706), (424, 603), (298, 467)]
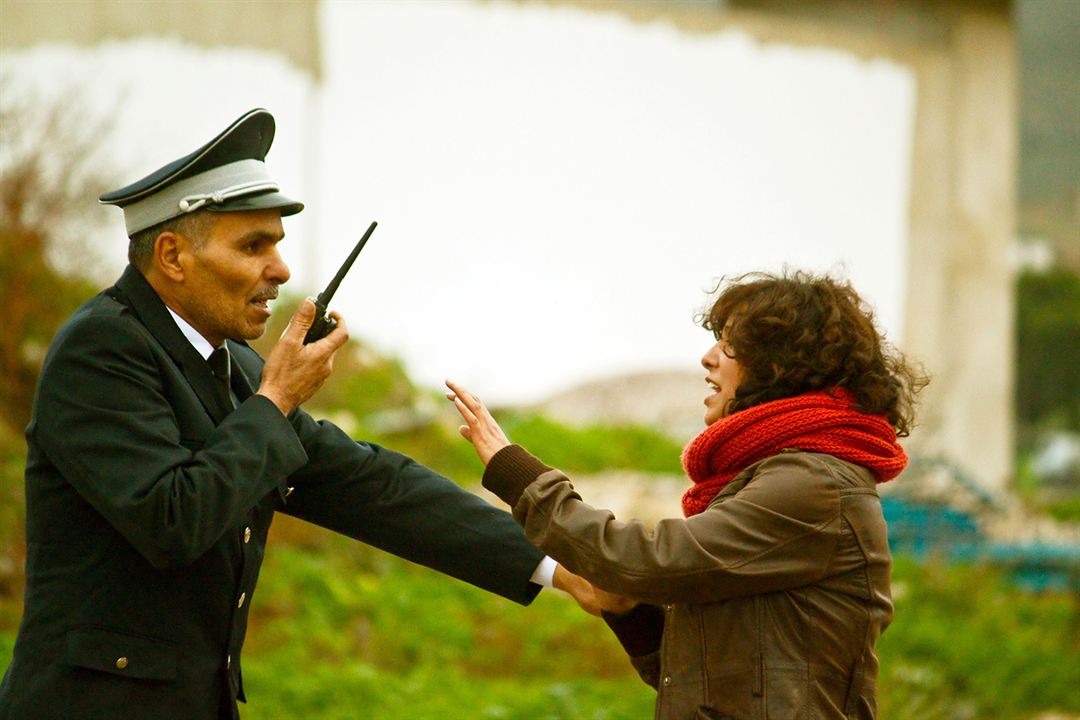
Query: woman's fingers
[(477, 427), (466, 413), (481, 429), (468, 404), (470, 400), (454, 387), (459, 399)]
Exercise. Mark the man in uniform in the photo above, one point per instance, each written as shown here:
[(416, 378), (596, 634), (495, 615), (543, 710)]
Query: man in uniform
[(161, 446)]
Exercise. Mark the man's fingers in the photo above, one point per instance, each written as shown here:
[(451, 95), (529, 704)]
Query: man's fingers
[(339, 335), (300, 321)]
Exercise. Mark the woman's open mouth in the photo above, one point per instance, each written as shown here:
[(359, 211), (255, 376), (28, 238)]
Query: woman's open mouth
[(715, 390)]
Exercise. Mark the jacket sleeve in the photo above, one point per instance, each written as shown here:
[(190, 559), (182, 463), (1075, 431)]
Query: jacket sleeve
[(640, 632), (778, 532), (104, 417), (388, 500)]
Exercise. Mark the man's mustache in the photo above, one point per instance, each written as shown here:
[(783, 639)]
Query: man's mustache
[(270, 293)]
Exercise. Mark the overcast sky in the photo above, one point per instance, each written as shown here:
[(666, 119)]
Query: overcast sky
[(555, 189)]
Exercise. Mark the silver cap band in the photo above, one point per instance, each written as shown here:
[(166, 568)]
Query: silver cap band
[(238, 179)]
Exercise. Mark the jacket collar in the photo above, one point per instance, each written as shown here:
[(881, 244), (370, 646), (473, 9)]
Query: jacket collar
[(146, 304)]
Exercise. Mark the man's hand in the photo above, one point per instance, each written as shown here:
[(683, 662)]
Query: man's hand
[(294, 371), (592, 599), (481, 429)]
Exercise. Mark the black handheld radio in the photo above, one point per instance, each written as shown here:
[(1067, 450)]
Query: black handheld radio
[(324, 323)]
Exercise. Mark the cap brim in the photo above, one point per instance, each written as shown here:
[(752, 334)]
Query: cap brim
[(265, 201)]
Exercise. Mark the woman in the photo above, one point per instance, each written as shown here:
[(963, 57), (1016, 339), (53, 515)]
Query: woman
[(767, 599)]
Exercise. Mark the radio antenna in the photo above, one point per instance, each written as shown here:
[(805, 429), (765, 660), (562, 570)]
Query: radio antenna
[(324, 297)]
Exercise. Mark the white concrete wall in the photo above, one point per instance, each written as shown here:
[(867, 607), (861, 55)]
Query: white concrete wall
[(288, 27)]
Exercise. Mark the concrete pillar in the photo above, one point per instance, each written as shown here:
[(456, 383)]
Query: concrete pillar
[(959, 317), (930, 227)]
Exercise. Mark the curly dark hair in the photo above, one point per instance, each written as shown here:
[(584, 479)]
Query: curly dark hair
[(798, 332)]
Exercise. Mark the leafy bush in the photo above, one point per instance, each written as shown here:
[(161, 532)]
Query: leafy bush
[(379, 638), (966, 644), (1048, 349), (595, 448)]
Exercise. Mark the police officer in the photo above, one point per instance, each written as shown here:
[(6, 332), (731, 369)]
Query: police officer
[(161, 445)]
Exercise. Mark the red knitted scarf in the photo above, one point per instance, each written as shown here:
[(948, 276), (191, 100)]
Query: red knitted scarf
[(822, 421)]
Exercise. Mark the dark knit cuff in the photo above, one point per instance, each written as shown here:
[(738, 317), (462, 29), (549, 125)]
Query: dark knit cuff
[(510, 471), (639, 631)]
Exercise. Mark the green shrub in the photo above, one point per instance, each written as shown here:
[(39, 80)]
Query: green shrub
[(594, 448), (379, 638), (966, 644)]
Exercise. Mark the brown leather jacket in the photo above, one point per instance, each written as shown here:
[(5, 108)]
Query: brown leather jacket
[(766, 605)]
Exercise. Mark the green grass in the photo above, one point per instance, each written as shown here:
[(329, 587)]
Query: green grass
[(966, 644), (375, 633), (342, 631), (357, 690)]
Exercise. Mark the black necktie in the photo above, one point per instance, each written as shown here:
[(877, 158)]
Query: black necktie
[(219, 364)]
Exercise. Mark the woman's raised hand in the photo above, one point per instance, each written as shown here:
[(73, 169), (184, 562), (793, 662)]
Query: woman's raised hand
[(480, 428)]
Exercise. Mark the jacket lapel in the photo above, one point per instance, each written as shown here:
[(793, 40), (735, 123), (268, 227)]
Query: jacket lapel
[(242, 383), (137, 294)]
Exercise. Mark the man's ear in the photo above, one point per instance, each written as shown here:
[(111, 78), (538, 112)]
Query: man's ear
[(167, 249)]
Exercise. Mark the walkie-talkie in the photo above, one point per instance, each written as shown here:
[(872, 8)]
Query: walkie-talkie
[(324, 323)]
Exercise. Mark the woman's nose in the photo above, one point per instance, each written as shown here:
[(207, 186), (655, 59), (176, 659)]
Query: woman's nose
[(708, 360)]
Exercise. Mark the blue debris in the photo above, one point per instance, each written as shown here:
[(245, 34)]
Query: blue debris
[(931, 524)]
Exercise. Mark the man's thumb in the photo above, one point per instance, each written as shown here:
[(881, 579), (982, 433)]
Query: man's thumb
[(302, 318)]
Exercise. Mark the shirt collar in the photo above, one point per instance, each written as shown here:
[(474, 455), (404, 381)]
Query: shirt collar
[(201, 344)]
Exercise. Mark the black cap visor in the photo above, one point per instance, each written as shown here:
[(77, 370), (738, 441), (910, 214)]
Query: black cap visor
[(262, 201)]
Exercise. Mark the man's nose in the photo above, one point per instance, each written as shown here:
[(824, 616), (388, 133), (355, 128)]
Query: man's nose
[(277, 271)]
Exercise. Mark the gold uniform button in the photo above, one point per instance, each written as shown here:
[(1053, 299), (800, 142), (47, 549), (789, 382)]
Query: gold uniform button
[(228, 662), (667, 680), (121, 663), (247, 535), (240, 602)]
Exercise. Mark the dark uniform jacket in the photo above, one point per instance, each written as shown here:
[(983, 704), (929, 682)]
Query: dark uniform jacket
[(148, 501), (766, 605)]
